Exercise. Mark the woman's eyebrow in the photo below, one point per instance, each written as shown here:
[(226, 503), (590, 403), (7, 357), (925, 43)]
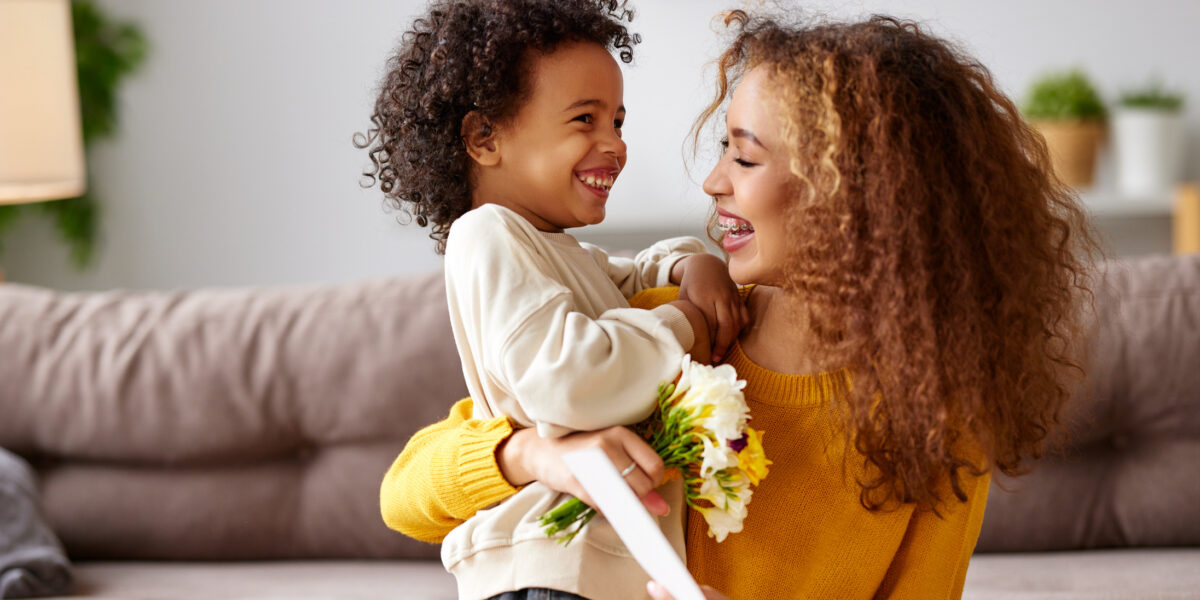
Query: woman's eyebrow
[(738, 132)]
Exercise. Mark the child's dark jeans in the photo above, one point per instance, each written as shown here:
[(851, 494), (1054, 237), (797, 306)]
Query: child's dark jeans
[(537, 594)]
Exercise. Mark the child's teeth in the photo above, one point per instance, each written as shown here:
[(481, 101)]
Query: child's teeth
[(601, 181)]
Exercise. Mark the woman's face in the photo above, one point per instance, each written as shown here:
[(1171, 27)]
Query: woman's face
[(752, 187)]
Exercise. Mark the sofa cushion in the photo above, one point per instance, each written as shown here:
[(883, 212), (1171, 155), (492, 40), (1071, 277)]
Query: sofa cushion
[(1124, 574), (224, 424), (1125, 471), (294, 580)]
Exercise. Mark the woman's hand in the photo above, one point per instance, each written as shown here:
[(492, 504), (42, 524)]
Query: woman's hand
[(659, 592), (704, 281), (525, 457)]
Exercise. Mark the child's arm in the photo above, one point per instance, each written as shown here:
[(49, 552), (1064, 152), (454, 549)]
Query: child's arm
[(452, 469), (703, 280), (651, 267), (561, 368)]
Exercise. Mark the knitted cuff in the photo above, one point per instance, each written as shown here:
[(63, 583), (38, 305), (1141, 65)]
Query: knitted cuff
[(476, 472)]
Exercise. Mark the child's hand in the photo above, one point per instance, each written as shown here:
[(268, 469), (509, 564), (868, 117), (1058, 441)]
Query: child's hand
[(704, 281), (701, 349)]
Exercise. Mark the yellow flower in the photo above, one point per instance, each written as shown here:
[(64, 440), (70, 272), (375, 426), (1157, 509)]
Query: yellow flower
[(752, 460)]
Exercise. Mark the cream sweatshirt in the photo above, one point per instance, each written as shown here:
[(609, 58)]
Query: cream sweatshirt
[(547, 339)]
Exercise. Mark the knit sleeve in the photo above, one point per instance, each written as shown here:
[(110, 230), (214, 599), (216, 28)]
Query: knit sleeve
[(931, 562), (446, 473), (650, 268)]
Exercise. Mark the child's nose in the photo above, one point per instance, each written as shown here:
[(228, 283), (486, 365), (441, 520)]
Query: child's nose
[(614, 145)]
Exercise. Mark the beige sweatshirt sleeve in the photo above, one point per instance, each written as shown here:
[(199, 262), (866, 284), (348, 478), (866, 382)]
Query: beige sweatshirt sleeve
[(566, 371), (650, 268)]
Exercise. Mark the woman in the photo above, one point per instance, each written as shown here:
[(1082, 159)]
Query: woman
[(916, 276)]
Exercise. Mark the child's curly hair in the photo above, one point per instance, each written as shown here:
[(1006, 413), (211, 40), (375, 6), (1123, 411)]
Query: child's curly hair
[(942, 261), (463, 56)]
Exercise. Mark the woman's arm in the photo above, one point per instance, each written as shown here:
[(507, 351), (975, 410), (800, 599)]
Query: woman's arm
[(932, 560), (446, 473), (454, 468)]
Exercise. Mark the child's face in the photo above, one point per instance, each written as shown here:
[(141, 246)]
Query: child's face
[(565, 135), (752, 186)]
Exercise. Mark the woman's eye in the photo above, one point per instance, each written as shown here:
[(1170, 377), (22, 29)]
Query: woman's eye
[(618, 123), (744, 163), (587, 119), (724, 144)]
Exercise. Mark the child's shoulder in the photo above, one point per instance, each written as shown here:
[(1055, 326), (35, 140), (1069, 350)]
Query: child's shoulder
[(488, 221), (490, 227)]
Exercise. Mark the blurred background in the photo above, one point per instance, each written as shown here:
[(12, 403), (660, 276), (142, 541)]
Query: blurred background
[(231, 162)]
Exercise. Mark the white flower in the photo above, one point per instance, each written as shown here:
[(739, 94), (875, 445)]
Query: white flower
[(716, 457), (720, 523), (715, 395), (728, 417), (685, 380)]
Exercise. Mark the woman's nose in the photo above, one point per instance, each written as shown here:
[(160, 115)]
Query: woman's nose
[(717, 182)]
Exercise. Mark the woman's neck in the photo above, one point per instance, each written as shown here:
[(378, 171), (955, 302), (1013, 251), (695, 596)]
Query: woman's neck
[(778, 336)]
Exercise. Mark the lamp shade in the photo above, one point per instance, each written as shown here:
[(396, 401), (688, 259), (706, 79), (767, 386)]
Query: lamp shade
[(41, 141)]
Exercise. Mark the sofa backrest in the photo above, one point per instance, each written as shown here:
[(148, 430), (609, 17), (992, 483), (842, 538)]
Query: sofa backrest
[(258, 423), (1126, 470), (224, 424)]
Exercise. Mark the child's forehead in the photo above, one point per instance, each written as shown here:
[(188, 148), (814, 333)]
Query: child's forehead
[(575, 70)]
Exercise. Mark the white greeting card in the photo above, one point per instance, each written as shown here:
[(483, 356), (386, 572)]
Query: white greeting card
[(632, 522)]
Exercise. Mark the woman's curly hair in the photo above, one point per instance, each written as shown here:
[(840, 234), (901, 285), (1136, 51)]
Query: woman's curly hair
[(463, 56), (942, 262)]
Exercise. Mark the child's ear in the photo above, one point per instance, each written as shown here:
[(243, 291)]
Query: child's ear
[(479, 136)]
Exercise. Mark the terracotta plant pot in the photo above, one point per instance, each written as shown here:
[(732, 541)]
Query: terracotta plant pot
[(1073, 148)]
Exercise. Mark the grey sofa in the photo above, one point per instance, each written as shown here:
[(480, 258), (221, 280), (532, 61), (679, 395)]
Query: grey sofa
[(230, 443)]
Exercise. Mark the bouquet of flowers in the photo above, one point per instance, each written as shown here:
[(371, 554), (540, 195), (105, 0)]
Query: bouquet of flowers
[(699, 429)]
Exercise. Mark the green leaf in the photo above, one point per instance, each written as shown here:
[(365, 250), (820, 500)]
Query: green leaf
[(1152, 95), (1064, 95)]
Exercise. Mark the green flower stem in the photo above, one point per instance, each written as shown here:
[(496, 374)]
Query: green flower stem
[(569, 517)]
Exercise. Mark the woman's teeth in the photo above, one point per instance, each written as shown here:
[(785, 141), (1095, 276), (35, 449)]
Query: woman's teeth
[(735, 228), (602, 182)]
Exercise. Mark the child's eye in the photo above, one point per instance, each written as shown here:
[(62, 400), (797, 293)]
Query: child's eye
[(724, 143)]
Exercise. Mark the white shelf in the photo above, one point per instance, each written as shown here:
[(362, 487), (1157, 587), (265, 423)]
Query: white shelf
[(1110, 203)]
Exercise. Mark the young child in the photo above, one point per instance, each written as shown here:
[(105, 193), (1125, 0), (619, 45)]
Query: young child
[(499, 123)]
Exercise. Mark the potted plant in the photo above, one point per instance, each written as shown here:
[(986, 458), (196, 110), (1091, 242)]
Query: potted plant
[(1065, 108), (1148, 138)]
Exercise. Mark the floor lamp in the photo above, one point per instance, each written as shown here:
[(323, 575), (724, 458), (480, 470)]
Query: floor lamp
[(41, 141)]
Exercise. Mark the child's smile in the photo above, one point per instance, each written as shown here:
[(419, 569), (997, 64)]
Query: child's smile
[(557, 159), (598, 180)]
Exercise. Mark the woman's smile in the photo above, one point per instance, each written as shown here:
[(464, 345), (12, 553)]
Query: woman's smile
[(736, 231)]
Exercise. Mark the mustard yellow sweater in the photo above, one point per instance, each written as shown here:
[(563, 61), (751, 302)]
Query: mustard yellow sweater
[(806, 536)]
